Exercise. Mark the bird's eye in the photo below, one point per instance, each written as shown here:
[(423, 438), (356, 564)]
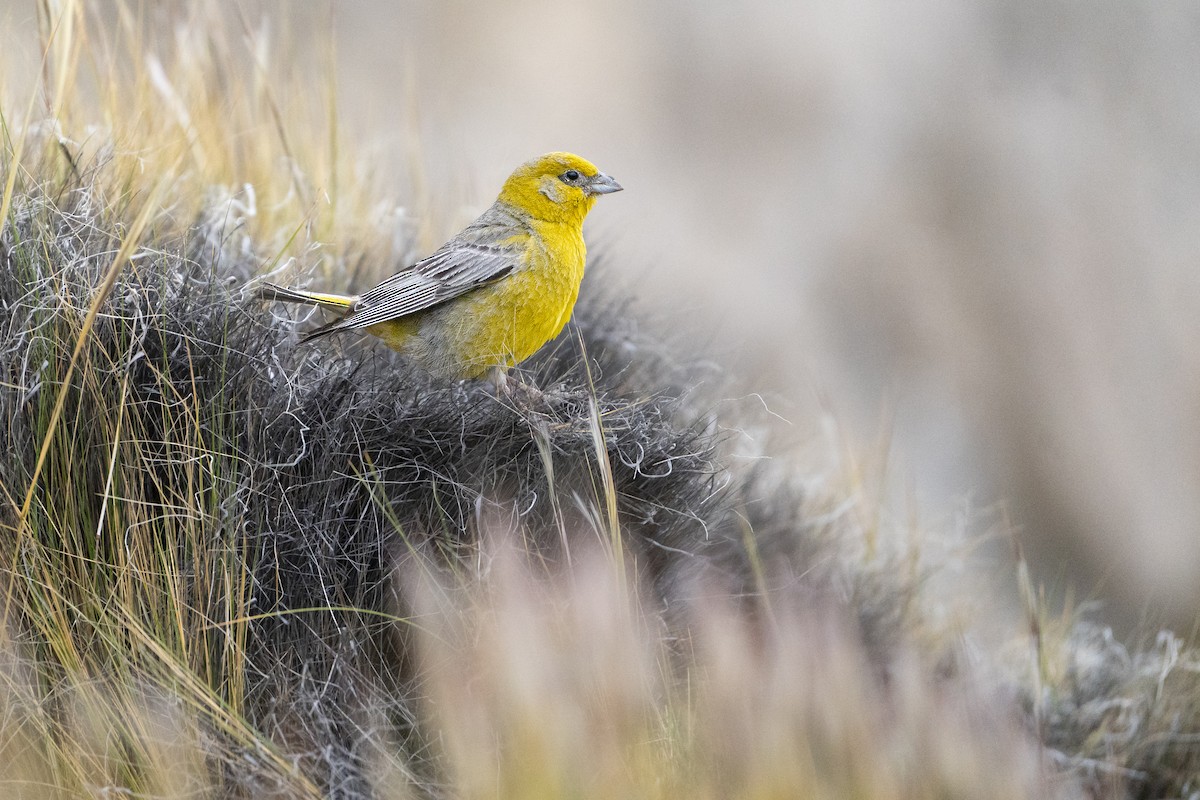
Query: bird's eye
[(570, 175)]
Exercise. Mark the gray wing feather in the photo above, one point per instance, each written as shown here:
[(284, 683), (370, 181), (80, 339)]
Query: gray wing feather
[(474, 258)]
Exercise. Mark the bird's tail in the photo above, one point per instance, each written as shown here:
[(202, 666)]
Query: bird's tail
[(282, 294)]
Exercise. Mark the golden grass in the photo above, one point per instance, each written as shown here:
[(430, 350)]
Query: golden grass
[(563, 685), (119, 676)]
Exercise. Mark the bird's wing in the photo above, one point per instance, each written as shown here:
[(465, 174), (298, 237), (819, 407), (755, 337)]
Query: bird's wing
[(481, 254)]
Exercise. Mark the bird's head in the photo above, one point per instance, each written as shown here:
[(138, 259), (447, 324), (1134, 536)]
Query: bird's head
[(556, 187)]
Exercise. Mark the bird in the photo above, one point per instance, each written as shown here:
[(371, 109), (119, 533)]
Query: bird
[(492, 295)]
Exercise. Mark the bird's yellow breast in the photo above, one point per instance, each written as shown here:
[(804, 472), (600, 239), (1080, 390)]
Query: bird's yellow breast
[(505, 323)]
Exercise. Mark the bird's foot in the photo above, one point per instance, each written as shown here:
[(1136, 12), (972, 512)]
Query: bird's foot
[(522, 395)]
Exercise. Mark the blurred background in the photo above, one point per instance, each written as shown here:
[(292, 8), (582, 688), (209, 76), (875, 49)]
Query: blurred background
[(972, 227)]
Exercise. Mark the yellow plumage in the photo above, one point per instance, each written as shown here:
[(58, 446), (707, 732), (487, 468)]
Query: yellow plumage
[(495, 293)]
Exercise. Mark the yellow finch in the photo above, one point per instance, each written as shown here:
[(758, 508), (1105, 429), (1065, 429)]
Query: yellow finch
[(494, 294)]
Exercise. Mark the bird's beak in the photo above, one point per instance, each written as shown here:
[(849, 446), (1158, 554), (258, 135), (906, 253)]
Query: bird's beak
[(602, 184)]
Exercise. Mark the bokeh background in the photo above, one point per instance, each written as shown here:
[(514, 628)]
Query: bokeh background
[(972, 227)]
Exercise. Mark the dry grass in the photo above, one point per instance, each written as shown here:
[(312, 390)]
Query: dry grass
[(235, 567)]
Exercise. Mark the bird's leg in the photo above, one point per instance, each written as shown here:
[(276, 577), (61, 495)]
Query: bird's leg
[(498, 377)]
